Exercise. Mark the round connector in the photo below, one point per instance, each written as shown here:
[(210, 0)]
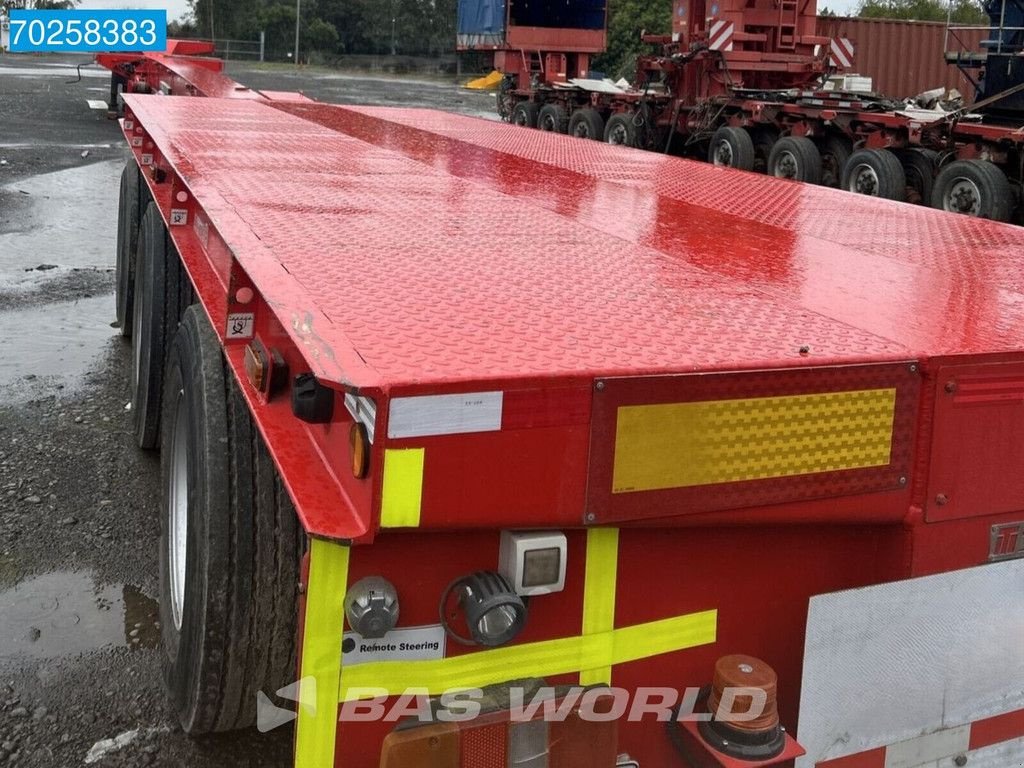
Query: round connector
[(371, 607)]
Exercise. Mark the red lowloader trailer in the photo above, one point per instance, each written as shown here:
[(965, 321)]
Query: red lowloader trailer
[(741, 83), (712, 469)]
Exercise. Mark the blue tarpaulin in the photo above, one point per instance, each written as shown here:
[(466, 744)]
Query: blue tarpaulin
[(482, 17)]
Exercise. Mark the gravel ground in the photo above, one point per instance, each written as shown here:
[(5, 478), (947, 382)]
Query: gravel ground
[(80, 661)]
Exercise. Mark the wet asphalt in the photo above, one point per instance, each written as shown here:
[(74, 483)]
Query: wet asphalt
[(80, 662)]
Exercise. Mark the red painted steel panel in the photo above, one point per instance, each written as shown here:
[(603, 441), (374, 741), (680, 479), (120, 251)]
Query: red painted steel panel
[(977, 452), (903, 58), (553, 39), (399, 272), (932, 283), (759, 580)]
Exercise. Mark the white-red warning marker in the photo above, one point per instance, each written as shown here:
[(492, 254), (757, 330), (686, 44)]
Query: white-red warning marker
[(720, 34), (841, 53)]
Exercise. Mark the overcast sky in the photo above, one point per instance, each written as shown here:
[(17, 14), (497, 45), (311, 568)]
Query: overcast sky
[(178, 8), (175, 8)]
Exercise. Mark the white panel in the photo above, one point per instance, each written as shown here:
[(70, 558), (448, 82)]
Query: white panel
[(928, 749), (445, 414), (894, 662)]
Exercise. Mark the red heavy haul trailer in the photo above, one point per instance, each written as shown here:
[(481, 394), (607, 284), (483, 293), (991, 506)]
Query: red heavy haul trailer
[(710, 469), (740, 83)]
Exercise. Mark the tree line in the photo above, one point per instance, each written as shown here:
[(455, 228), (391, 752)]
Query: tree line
[(330, 27)]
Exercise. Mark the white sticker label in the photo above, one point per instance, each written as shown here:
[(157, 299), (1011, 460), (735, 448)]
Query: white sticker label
[(240, 325), (412, 644), (147, 158), (136, 141), (179, 217), (445, 414)]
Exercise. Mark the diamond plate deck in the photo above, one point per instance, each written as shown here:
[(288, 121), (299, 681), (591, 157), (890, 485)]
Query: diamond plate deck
[(443, 259), (938, 283)]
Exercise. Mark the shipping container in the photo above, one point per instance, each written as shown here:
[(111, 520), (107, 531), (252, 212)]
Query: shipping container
[(904, 58)]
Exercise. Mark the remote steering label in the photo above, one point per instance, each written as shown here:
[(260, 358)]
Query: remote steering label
[(410, 644), (91, 31)]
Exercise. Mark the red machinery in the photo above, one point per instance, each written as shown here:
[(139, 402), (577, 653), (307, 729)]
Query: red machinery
[(742, 84), (517, 411)]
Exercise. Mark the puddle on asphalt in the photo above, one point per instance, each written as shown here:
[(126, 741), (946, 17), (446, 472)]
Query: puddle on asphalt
[(63, 221), (52, 343), (67, 613), (67, 219)]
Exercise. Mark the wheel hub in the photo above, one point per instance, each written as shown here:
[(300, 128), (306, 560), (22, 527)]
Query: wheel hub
[(788, 167), (617, 135), (177, 513), (723, 154), (865, 180), (964, 197)]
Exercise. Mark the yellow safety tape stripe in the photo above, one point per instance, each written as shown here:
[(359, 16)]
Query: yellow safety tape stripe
[(599, 593), (542, 659), (403, 488), (681, 445), (321, 654)]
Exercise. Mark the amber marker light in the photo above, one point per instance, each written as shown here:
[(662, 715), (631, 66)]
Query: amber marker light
[(256, 367), (359, 442)]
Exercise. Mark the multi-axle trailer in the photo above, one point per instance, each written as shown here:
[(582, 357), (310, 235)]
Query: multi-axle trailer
[(741, 84), (444, 405)]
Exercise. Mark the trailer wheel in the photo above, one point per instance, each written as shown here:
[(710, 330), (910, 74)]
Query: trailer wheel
[(130, 206), (587, 123), (795, 157), (974, 187), (230, 544), (525, 113), (876, 173), (835, 152), (553, 119), (732, 148), (919, 169), (155, 313), (621, 130)]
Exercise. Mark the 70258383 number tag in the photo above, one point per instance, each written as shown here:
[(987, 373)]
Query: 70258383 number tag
[(92, 31)]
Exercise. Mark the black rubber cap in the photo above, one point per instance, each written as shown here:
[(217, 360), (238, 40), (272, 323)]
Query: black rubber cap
[(311, 401)]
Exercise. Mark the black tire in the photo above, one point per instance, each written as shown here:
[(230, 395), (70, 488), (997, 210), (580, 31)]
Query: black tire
[(975, 188), (795, 157), (621, 130), (919, 167), (764, 139), (553, 119), (230, 633), (157, 305), (130, 206), (835, 153), (876, 173), (525, 113), (587, 123), (732, 148)]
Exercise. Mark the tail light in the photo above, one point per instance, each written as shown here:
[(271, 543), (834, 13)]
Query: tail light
[(496, 740)]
